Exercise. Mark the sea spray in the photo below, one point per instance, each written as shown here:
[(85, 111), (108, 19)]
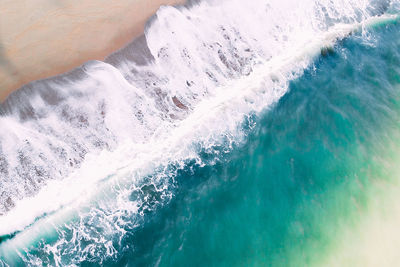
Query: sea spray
[(202, 77)]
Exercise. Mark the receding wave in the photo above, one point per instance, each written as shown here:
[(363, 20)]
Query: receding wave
[(86, 154)]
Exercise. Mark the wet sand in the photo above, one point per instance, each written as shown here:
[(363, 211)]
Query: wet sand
[(43, 38)]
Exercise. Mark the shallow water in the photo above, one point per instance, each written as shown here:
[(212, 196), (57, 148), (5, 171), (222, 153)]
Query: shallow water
[(305, 172), (271, 162)]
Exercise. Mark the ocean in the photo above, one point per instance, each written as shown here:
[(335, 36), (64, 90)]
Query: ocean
[(230, 134)]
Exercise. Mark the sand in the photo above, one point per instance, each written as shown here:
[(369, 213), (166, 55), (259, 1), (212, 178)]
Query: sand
[(43, 38)]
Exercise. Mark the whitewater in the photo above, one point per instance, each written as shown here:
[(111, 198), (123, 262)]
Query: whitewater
[(93, 150)]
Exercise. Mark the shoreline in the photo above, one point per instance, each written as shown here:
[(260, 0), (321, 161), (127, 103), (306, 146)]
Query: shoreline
[(37, 44)]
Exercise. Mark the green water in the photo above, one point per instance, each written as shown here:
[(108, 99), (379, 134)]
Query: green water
[(306, 172)]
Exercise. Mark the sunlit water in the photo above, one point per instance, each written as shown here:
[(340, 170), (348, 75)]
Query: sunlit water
[(247, 135)]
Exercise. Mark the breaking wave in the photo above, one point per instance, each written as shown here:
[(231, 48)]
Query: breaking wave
[(84, 155)]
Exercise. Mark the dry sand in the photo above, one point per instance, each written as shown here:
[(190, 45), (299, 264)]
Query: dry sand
[(42, 38)]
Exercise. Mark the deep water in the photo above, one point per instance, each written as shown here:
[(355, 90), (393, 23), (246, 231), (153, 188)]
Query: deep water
[(304, 172)]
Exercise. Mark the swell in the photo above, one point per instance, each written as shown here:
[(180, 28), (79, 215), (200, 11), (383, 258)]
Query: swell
[(189, 82)]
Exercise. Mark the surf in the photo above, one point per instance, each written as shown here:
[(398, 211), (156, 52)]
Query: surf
[(164, 126)]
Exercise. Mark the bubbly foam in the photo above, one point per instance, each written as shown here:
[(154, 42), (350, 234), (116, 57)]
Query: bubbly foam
[(100, 145)]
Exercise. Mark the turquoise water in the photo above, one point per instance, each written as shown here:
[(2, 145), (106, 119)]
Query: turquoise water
[(282, 197), (303, 174)]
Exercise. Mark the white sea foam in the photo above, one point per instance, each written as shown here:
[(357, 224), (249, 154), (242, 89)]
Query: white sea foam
[(82, 143)]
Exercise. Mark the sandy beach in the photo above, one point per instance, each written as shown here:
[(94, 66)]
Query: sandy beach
[(42, 38)]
